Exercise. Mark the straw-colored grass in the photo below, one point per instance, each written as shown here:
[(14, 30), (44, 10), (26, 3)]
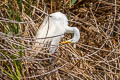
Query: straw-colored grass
[(95, 57)]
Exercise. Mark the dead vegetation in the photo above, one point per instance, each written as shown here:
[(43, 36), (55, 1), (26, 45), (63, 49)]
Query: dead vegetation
[(96, 56)]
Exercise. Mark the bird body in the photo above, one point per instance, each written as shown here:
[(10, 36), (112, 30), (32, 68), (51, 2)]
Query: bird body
[(52, 30)]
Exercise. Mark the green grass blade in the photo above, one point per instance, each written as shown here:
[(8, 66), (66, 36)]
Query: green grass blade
[(10, 75), (20, 4), (72, 2), (17, 71)]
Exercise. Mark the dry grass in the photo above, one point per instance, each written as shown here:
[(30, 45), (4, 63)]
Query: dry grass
[(96, 56)]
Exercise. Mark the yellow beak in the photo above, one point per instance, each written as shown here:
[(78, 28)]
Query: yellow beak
[(65, 42)]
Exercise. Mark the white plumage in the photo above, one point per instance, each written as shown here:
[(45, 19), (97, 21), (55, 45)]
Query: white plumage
[(53, 29)]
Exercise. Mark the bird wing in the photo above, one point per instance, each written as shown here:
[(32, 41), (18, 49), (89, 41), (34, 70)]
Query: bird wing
[(50, 28)]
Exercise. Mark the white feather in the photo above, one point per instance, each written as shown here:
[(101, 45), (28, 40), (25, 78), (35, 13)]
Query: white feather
[(56, 24)]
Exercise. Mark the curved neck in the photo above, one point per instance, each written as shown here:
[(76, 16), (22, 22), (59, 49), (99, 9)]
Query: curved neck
[(76, 32)]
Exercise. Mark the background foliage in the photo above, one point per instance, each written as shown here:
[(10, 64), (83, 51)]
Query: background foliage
[(96, 55)]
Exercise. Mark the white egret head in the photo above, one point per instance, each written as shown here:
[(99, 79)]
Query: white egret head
[(53, 29), (62, 18)]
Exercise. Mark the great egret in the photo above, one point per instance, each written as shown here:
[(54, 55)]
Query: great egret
[(52, 30)]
